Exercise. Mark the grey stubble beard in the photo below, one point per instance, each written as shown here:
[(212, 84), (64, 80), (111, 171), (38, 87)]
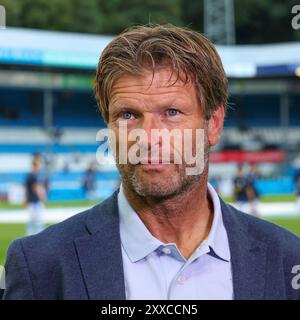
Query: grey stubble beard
[(178, 183)]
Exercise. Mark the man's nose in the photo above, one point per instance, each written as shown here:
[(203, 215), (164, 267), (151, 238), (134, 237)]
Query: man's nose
[(149, 124)]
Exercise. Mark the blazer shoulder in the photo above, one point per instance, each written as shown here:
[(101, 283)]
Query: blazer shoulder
[(79, 225), (269, 232)]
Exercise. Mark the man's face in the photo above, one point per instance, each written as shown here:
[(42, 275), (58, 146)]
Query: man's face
[(147, 102)]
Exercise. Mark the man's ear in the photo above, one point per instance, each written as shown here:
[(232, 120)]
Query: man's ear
[(215, 125)]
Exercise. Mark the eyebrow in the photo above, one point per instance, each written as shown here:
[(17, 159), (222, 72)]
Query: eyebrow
[(119, 106)]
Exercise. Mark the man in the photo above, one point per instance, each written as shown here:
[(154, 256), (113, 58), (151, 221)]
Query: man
[(253, 194), (241, 187), (89, 182), (164, 234), (35, 197)]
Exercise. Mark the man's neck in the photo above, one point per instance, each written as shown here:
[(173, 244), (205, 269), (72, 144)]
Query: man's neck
[(184, 219)]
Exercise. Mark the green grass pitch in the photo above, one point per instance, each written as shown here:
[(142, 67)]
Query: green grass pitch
[(9, 232)]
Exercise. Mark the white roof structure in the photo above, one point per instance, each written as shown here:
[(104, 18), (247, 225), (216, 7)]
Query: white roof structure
[(65, 49)]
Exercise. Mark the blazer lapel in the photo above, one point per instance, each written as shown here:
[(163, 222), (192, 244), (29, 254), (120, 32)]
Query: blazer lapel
[(100, 253), (248, 257)]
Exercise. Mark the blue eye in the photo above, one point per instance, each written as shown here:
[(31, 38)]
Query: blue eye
[(172, 112), (126, 115)]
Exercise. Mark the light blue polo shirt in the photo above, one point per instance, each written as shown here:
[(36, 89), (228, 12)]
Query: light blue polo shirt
[(157, 271)]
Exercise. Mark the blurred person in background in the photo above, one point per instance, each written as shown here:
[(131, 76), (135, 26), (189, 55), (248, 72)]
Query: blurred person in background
[(252, 192), (240, 190), (35, 195), (90, 182)]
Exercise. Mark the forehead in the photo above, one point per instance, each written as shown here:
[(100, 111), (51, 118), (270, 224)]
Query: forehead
[(153, 83)]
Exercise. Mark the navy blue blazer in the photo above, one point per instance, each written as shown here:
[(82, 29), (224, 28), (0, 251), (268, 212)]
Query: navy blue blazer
[(80, 258)]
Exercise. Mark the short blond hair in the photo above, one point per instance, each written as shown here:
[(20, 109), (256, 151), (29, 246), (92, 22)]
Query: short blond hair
[(189, 54)]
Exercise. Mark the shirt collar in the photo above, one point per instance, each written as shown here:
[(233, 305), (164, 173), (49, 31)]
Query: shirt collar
[(136, 239), (217, 239), (138, 242)]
